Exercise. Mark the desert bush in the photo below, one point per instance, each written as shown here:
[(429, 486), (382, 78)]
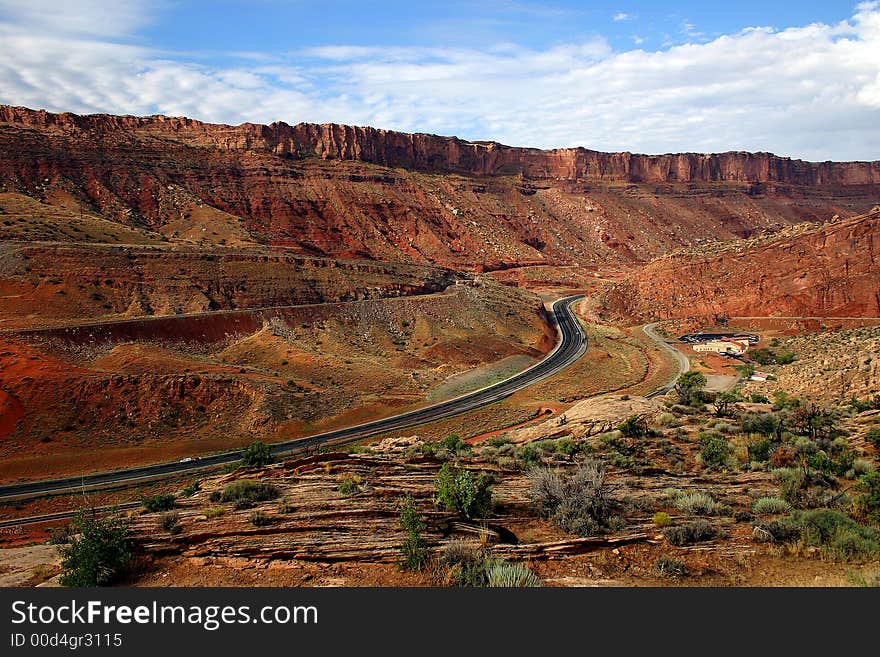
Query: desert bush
[(159, 502), (528, 455), (464, 564), (662, 519), (635, 426), (511, 575), (98, 552), (759, 450), (784, 456), (835, 534), (860, 467), (672, 494), (462, 492), (256, 455), (349, 484), (170, 522), (695, 531), (769, 506), (697, 504), (665, 419), (765, 424), (715, 453), (214, 512), (867, 502), (689, 386), (260, 519), (247, 492), (873, 436), (455, 444), (581, 503), (805, 488), (414, 550), (672, 568), (757, 398)]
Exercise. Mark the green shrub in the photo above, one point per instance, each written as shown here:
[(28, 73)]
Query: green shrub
[(511, 575), (867, 502), (765, 424), (414, 550), (770, 506), (580, 504), (247, 492), (455, 444), (695, 531), (528, 455), (260, 519), (462, 492), (635, 426), (170, 522), (757, 398), (805, 488), (349, 484), (672, 568), (698, 504), (159, 502), (213, 512), (873, 436), (98, 552), (665, 419), (836, 534), (759, 450), (662, 519), (256, 455), (715, 453), (464, 564)]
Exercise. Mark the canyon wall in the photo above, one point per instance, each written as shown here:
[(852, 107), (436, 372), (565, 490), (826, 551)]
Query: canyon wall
[(343, 192), (434, 153), (831, 270)]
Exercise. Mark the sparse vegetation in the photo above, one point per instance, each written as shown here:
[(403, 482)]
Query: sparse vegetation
[(836, 535), (349, 484), (671, 568), (260, 519), (580, 503), (257, 455), (158, 502), (245, 493), (698, 504), (414, 550), (695, 531), (511, 575), (98, 552), (768, 506), (462, 492), (170, 522)]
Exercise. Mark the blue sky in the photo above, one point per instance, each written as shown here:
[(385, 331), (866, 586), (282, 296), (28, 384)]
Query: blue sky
[(799, 79), (278, 25)]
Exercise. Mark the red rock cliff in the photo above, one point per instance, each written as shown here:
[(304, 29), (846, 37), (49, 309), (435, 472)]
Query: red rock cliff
[(449, 154), (831, 270)]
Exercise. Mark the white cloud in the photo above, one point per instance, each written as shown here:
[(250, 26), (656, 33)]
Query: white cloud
[(811, 91), (622, 16)]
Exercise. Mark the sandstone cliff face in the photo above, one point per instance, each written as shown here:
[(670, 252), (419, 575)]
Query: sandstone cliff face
[(339, 191), (451, 155), (830, 270)]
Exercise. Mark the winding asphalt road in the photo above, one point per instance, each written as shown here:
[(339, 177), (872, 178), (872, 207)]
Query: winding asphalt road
[(572, 344), (683, 363)]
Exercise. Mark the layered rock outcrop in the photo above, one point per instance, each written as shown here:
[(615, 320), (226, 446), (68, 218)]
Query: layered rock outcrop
[(434, 153), (829, 270), (340, 191)]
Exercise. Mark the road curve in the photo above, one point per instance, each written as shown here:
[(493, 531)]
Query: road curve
[(571, 345), (683, 363)]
